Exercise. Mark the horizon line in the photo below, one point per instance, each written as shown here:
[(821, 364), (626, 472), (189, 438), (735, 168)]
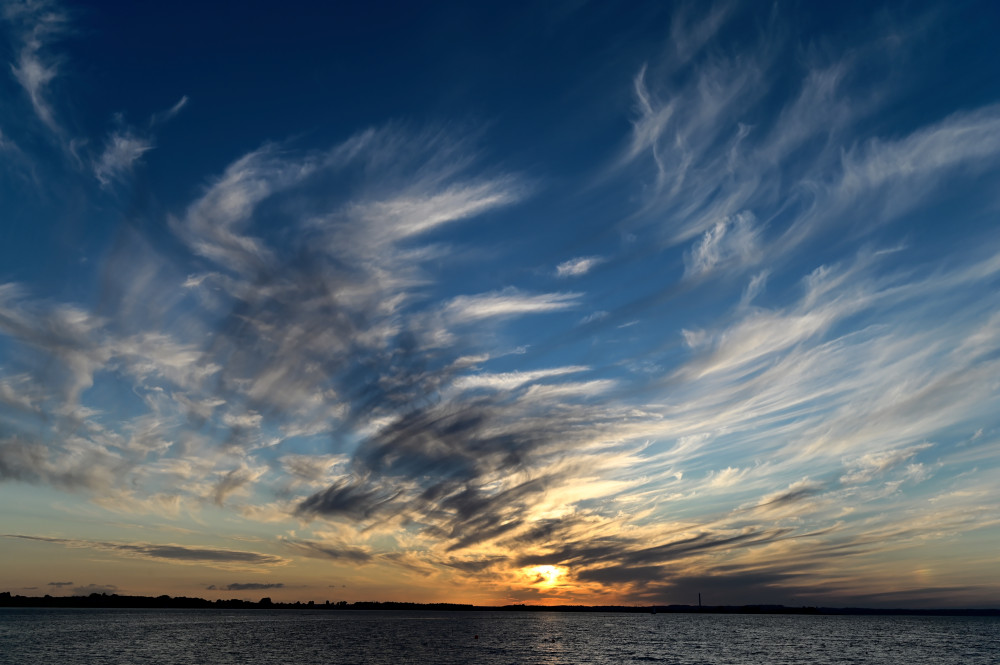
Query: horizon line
[(105, 600)]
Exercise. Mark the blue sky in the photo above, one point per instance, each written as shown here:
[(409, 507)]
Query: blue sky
[(555, 303)]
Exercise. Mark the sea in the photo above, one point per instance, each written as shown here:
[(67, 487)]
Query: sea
[(252, 637)]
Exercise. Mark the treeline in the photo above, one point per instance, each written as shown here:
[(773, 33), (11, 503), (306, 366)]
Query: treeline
[(103, 600)]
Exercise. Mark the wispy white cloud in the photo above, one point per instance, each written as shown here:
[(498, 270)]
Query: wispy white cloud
[(880, 179), (511, 380), (755, 287), (691, 30), (37, 24), (578, 266), (70, 334), (19, 392), (712, 164), (417, 212), (213, 225), (871, 465), (156, 354), (816, 397), (595, 316), (681, 131), (507, 302), (566, 389), (121, 151), (125, 146), (161, 117), (727, 477), (729, 241)]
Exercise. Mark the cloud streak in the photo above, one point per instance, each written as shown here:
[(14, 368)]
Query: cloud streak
[(176, 553)]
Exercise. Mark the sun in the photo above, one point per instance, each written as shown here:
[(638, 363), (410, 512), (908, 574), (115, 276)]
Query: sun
[(545, 576)]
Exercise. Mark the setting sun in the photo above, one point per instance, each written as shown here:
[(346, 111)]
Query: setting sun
[(545, 576)]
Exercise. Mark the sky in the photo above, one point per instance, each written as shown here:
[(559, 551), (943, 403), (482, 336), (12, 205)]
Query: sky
[(547, 303)]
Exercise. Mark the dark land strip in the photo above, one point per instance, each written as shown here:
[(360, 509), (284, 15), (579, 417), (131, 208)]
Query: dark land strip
[(110, 601)]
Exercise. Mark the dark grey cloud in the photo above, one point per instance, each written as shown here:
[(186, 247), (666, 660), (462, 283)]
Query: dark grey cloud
[(409, 561), (547, 531), (436, 464), (22, 461), (779, 582), (229, 483), (748, 587), (40, 538), (94, 588), (791, 496), (179, 553), (60, 584), (787, 580), (246, 586), (616, 575), (482, 517), (336, 551), (788, 584), (33, 462), (651, 571), (341, 551), (170, 552), (473, 566), (349, 497), (930, 597), (701, 543)]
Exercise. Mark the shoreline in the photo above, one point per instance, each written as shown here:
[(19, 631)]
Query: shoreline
[(115, 601)]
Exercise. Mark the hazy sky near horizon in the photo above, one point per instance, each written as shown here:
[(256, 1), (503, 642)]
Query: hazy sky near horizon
[(561, 302)]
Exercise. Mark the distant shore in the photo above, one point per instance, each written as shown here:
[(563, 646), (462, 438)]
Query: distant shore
[(112, 601)]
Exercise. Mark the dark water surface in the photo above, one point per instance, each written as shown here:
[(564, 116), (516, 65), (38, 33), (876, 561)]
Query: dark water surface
[(215, 637)]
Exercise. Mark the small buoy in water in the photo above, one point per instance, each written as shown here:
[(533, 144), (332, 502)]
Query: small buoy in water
[(477, 637)]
